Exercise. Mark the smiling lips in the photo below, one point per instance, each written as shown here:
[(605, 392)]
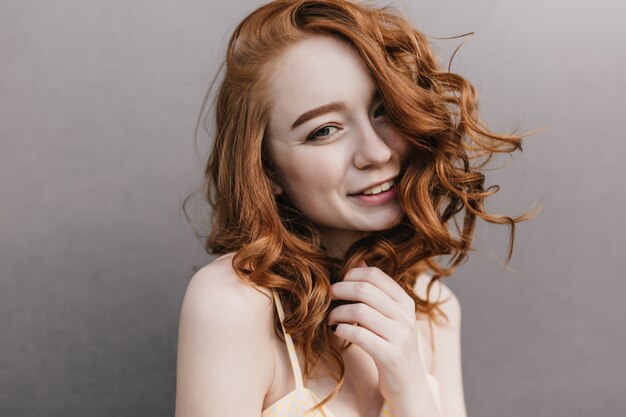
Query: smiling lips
[(378, 188), (378, 194)]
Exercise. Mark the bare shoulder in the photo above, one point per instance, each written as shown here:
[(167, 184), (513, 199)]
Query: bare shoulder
[(440, 292), (446, 341), (218, 285), (225, 344)]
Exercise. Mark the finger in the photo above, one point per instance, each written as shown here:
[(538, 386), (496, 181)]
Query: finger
[(367, 293), (365, 316), (370, 342), (380, 280)]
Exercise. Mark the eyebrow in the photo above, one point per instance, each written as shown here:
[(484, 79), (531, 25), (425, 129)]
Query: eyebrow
[(326, 108)]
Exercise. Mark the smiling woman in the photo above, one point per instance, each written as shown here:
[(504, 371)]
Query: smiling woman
[(342, 156), (336, 151)]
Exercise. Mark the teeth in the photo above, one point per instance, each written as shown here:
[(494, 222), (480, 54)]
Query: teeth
[(379, 188)]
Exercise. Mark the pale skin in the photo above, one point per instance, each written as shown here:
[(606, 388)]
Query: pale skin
[(230, 362)]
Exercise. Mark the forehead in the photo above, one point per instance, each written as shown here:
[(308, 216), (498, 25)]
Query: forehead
[(318, 70)]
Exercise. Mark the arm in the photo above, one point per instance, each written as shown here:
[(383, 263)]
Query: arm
[(225, 359)]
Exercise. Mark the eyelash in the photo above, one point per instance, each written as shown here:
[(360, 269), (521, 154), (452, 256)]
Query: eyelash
[(313, 137)]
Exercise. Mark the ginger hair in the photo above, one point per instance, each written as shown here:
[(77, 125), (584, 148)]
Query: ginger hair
[(441, 184)]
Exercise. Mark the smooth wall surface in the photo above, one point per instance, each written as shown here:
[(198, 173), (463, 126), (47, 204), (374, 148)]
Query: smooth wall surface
[(98, 103)]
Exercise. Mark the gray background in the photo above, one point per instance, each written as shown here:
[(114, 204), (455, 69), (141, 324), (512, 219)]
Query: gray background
[(98, 102)]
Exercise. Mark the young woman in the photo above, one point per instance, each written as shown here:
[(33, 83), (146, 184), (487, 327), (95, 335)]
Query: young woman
[(343, 155)]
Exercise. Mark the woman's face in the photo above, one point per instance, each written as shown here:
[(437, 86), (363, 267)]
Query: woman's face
[(327, 156)]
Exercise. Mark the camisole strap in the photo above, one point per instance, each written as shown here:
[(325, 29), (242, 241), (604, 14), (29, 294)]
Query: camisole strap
[(293, 358)]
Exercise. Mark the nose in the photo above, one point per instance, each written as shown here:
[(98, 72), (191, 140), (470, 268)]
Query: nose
[(371, 149)]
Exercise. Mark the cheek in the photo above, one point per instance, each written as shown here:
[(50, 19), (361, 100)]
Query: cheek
[(403, 149), (309, 174), (399, 144)]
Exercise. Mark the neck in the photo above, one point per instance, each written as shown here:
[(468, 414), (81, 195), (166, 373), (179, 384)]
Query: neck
[(337, 241)]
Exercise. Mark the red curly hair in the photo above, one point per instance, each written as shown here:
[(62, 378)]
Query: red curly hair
[(441, 183)]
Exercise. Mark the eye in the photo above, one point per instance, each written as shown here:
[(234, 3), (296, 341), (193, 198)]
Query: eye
[(322, 133), (380, 109)]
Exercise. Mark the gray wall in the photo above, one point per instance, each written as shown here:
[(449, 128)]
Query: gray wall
[(98, 102)]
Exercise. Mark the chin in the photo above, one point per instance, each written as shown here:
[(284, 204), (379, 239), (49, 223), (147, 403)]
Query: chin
[(384, 225), (394, 216)]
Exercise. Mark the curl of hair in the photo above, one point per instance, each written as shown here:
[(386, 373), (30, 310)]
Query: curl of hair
[(436, 111)]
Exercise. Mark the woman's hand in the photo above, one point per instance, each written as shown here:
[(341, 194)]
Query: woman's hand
[(382, 322)]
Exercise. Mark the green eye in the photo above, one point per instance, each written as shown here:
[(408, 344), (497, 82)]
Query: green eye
[(379, 109), (324, 133)]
